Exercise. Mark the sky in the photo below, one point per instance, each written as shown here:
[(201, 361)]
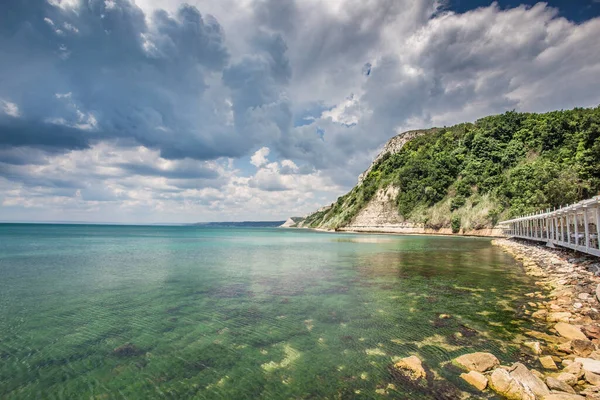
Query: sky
[(160, 111)]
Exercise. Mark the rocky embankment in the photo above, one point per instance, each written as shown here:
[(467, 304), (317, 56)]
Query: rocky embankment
[(566, 346)]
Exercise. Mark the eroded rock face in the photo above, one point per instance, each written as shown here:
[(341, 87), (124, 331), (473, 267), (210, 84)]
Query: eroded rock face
[(411, 367), (505, 385), (479, 361), (381, 210)]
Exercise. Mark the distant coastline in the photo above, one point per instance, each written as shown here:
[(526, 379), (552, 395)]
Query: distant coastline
[(254, 224)]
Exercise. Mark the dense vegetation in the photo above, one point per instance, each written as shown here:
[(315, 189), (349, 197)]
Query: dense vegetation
[(499, 167)]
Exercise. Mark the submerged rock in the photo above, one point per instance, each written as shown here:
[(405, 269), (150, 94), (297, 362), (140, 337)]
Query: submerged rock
[(411, 367), (127, 350), (535, 347), (476, 379), (479, 361)]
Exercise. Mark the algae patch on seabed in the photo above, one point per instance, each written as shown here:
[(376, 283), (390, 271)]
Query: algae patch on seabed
[(375, 352), (438, 341), (291, 355)]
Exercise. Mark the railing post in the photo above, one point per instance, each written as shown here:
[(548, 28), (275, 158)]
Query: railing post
[(568, 228), (586, 228), (598, 225), (576, 230)]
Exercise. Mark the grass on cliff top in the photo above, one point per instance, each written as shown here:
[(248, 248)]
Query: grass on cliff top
[(499, 167)]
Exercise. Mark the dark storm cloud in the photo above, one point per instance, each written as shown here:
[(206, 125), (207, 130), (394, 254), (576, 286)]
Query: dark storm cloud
[(99, 71)]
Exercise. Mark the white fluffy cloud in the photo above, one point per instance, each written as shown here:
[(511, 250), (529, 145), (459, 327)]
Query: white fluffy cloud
[(254, 109), (129, 184)]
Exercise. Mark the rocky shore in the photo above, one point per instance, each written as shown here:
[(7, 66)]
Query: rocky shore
[(565, 345)]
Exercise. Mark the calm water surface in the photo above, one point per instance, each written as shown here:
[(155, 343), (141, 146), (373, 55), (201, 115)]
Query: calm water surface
[(185, 312)]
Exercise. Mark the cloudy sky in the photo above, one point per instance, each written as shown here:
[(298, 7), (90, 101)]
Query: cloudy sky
[(218, 110)]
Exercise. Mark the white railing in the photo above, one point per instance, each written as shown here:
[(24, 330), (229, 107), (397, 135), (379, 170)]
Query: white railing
[(576, 226)]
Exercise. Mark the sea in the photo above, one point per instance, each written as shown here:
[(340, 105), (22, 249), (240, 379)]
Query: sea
[(143, 312)]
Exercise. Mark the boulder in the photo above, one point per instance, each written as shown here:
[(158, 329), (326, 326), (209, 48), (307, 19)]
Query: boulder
[(563, 396), (555, 384), (528, 379), (561, 316), (505, 385), (582, 348), (591, 331), (575, 369), (592, 378), (548, 363), (569, 331), (565, 347), (476, 379), (411, 368), (589, 365), (479, 362), (567, 378)]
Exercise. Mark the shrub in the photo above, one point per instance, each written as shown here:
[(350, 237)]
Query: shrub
[(455, 224), (457, 202)]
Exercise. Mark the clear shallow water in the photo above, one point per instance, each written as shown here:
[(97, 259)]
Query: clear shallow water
[(243, 313)]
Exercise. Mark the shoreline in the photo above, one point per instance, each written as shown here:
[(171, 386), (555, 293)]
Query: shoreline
[(481, 233), (567, 310), (562, 345)]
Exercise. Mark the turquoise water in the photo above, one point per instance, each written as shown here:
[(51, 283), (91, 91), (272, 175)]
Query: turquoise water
[(185, 312)]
